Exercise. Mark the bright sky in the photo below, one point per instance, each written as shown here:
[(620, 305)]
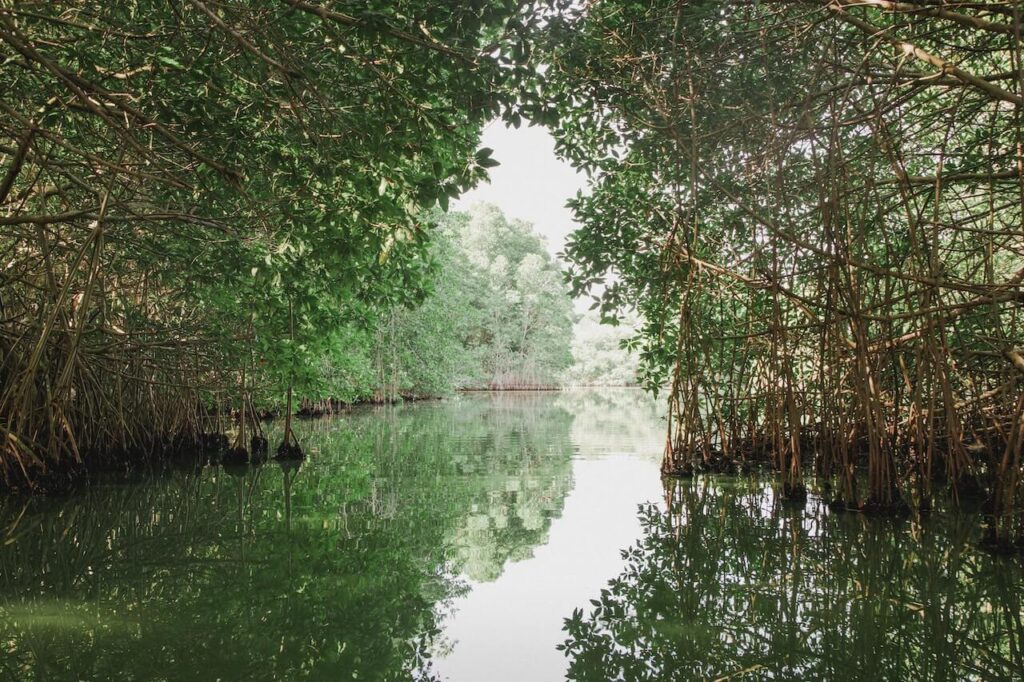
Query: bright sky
[(531, 183)]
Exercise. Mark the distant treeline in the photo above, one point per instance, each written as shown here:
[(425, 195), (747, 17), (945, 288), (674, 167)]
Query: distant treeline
[(497, 316)]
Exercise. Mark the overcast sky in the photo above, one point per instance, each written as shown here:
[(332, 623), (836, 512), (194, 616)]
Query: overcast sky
[(530, 184)]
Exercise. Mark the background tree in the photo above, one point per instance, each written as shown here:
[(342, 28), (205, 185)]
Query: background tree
[(525, 311), (601, 353)]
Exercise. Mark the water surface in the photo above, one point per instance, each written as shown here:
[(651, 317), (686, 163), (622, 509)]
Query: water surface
[(522, 536)]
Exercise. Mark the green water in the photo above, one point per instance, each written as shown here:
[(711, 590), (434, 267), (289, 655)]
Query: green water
[(492, 537)]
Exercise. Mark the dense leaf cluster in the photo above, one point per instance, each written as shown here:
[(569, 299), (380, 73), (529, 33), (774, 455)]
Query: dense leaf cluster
[(196, 195), (816, 207)]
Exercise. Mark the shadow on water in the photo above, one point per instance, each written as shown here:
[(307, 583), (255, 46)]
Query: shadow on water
[(340, 569), (732, 583)]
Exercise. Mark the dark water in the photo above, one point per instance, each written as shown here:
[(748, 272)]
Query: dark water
[(482, 539)]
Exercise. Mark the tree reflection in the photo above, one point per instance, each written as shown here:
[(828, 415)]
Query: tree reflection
[(731, 582), (340, 569)]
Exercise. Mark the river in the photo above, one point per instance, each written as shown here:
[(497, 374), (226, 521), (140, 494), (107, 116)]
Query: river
[(514, 536)]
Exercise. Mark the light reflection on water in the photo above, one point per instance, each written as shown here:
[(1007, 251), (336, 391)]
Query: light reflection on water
[(508, 629), (451, 541)]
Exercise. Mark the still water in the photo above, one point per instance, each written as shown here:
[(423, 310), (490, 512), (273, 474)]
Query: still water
[(490, 537)]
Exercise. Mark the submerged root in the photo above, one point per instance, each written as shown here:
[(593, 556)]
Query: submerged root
[(896, 507), (969, 488), (258, 447), (679, 470), (289, 466), (794, 492), (993, 543), (213, 442), (235, 457), (717, 464), (839, 505), (289, 451)]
